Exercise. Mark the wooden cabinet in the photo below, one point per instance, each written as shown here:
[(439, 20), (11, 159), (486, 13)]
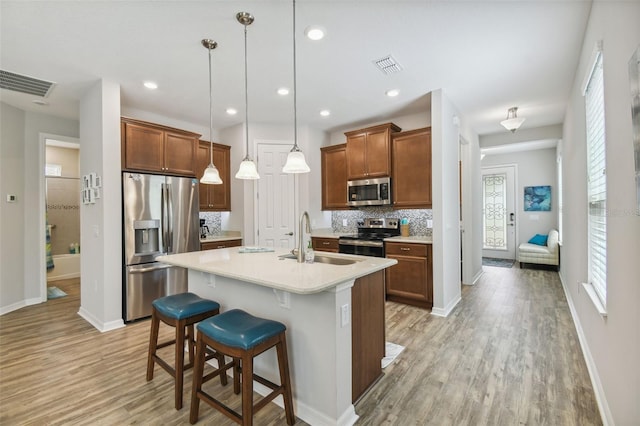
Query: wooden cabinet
[(411, 171), (367, 332), (410, 281), (215, 198), (220, 244), (369, 151), (334, 177), (148, 147), (325, 244)]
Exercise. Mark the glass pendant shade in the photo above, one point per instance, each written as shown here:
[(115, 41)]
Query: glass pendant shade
[(247, 170), (296, 163), (211, 175)]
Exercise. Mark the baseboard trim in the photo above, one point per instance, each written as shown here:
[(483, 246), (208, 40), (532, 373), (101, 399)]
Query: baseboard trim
[(12, 307), (439, 312), (601, 399), (102, 327)]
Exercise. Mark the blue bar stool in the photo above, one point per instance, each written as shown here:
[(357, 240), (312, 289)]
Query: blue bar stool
[(181, 311), (242, 337)]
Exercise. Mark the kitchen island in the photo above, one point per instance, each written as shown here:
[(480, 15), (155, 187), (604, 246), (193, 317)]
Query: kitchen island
[(327, 308)]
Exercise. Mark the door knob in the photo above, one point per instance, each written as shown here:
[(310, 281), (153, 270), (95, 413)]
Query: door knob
[(289, 233)]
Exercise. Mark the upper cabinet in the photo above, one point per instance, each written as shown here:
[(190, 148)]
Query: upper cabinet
[(334, 177), (215, 198), (411, 154), (149, 147), (369, 151)]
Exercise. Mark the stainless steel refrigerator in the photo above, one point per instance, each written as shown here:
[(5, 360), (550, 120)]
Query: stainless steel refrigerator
[(160, 216)]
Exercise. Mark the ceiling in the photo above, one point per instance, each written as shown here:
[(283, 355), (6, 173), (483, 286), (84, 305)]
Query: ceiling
[(487, 56)]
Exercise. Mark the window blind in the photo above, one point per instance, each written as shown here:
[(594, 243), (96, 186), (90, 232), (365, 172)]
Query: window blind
[(597, 180)]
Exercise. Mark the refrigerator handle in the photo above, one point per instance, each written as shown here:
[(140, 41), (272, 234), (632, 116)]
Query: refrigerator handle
[(170, 218), (164, 218)]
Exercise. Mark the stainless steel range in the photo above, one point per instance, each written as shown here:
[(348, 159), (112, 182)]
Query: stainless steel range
[(369, 241)]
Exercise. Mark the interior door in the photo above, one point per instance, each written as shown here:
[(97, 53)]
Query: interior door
[(276, 206), (498, 212)]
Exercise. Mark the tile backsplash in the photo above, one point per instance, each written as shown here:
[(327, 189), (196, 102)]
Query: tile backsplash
[(213, 222), (417, 218)]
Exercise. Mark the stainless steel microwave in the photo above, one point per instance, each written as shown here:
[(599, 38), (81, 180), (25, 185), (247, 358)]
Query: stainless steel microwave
[(369, 192)]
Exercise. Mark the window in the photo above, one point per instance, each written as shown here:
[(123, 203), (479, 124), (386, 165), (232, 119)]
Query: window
[(597, 179)]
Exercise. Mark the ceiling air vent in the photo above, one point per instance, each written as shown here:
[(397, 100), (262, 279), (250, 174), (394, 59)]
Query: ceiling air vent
[(24, 84), (388, 65)]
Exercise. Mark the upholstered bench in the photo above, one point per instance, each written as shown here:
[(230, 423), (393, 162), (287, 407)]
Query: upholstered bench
[(547, 254)]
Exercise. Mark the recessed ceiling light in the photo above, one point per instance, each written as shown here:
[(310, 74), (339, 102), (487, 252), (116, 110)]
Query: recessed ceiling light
[(325, 113), (40, 102), (150, 85), (232, 111), (283, 91), (314, 32), (392, 93)]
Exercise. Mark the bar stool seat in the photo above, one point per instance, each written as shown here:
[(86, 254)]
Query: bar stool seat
[(180, 311), (241, 336)]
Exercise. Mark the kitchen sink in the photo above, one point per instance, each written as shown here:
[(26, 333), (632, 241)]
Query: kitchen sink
[(318, 258)]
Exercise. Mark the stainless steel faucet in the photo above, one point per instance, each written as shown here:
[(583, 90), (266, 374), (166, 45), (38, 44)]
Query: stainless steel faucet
[(300, 236)]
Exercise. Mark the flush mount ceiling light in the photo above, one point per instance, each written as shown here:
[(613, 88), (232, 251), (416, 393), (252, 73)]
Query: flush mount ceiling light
[(392, 93), (232, 111), (283, 91), (314, 32), (325, 113), (211, 175), (150, 85), (512, 123), (295, 160), (247, 168)]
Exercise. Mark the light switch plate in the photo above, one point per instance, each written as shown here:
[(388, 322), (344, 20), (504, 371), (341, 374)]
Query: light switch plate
[(11, 198)]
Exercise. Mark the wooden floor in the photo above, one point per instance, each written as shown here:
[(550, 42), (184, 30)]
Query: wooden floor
[(507, 355)]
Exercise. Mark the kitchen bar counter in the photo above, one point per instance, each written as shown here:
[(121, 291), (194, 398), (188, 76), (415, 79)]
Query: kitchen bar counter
[(418, 239), (314, 301)]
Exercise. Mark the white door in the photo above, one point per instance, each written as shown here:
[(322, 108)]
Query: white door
[(276, 208), (498, 212)]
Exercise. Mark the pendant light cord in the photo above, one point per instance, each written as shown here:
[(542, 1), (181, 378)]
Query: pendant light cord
[(210, 113), (295, 91), (246, 97)]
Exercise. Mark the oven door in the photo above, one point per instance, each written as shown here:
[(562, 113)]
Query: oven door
[(361, 247)]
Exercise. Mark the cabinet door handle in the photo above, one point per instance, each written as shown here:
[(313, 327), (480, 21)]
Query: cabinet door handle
[(405, 249), (325, 243), (222, 246)]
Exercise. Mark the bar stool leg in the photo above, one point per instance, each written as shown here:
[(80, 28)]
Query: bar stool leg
[(153, 343), (179, 369), (247, 389), (191, 337), (283, 363), (198, 371)]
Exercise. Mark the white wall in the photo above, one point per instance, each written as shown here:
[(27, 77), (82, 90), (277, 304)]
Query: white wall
[(612, 344), (534, 168), (446, 204), (101, 223), (21, 161)]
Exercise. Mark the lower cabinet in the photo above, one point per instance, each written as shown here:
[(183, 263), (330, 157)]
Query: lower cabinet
[(220, 244), (411, 280), (325, 244), (367, 332)]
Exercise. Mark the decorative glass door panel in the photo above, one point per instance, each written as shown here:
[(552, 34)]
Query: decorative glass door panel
[(494, 218)]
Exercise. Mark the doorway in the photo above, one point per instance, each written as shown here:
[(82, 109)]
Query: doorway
[(60, 213), (498, 212), (275, 192)]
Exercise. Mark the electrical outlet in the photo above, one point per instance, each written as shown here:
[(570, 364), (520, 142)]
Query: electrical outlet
[(11, 198), (344, 222), (429, 223), (345, 315)]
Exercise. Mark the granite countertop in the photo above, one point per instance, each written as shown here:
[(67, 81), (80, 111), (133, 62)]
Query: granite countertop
[(224, 236), (328, 233), (419, 239), (268, 269)]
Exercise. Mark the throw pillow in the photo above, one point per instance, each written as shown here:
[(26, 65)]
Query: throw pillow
[(539, 239)]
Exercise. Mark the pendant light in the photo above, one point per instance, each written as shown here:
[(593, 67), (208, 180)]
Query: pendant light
[(513, 122), (247, 168), (211, 175), (295, 160)]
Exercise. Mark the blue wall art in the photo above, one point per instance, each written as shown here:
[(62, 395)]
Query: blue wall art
[(537, 198)]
